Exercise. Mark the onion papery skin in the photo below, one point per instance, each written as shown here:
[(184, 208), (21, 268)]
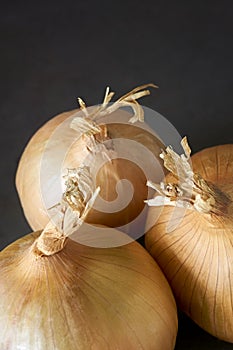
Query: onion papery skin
[(84, 298), (28, 177), (197, 256)]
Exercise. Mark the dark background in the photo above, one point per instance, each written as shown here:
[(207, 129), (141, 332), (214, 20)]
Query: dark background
[(52, 52)]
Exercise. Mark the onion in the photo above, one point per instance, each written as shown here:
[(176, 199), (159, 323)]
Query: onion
[(83, 298), (58, 294), (191, 238), (119, 149)]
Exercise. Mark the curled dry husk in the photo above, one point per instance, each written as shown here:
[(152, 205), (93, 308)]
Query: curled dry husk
[(83, 298), (191, 237), (99, 144)]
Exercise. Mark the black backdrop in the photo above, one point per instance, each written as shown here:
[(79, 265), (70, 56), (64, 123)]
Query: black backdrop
[(54, 51)]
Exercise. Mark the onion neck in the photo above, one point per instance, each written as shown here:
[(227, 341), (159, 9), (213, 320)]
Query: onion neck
[(189, 190), (49, 242), (76, 202)]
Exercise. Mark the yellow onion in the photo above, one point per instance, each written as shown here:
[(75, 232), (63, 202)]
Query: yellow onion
[(107, 293), (105, 136), (83, 298), (191, 237)]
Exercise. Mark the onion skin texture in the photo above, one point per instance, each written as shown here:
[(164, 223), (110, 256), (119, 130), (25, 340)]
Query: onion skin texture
[(84, 298), (28, 172), (197, 256)]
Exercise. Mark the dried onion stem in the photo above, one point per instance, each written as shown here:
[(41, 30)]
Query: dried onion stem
[(70, 213), (190, 190)]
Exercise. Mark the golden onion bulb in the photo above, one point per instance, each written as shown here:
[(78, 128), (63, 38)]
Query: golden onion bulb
[(83, 298), (191, 238), (124, 147)]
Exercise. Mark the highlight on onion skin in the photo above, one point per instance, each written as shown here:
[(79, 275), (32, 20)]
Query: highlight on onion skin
[(28, 172), (84, 298), (28, 178), (197, 254)]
